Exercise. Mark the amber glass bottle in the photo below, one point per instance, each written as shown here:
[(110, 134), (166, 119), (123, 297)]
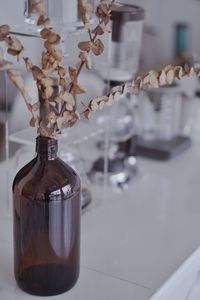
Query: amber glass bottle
[(46, 195)]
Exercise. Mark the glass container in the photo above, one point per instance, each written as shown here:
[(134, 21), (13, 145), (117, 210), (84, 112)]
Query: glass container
[(166, 122), (70, 154), (120, 120), (62, 13), (161, 113), (46, 198), (127, 28)]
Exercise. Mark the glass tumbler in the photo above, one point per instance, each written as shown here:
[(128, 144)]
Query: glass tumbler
[(161, 113), (127, 28)]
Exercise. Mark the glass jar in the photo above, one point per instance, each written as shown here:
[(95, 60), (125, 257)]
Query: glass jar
[(127, 28), (161, 113), (46, 202), (119, 127), (62, 13)]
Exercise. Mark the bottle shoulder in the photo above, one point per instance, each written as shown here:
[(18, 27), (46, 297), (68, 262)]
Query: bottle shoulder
[(45, 180)]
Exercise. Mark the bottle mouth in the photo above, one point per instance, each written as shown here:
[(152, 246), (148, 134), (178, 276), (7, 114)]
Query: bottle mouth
[(46, 146)]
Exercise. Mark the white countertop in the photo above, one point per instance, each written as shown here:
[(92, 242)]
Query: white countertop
[(132, 242)]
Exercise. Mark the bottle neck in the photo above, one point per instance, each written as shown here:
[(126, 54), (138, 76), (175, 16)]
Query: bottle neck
[(46, 148)]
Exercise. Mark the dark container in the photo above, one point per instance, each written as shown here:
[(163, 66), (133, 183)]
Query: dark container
[(46, 196)]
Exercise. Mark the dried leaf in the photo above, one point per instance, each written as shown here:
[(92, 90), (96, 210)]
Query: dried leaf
[(37, 73), (62, 81), (85, 10), (54, 38), (85, 46), (13, 52), (61, 71), (153, 81), (51, 117), (87, 113), (60, 122), (138, 82), (103, 12), (110, 101), (36, 106), (76, 89), (73, 75), (163, 78), (47, 92), (85, 57), (186, 69), (178, 72), (192, 72), (44, 131), (38, 6), (48, 46), (69, 107), (57, 54), (34, 122), (115, 89), (4, 31), (154, 73), (170, 76), (127, 89), (116, 96), (101, 105), (97, 47), (146, 80), (46, 82), (43, 21), (52, 103), (101, 29), (45, 33), (94, 105), (28, 63), (13, 43), (168, 68), (65, 96), (70, 118)]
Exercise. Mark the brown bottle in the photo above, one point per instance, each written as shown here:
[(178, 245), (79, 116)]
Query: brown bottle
[(46, 195)]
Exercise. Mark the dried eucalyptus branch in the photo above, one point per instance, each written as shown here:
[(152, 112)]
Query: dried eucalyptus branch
[(93, 45), (151, 80)]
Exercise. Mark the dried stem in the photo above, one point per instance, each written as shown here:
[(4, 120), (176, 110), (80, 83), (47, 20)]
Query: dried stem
[(152, 79)]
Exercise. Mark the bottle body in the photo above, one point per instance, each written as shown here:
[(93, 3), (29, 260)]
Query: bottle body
[(46, 195)]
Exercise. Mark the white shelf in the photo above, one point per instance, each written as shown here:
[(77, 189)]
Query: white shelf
[(78, 134)]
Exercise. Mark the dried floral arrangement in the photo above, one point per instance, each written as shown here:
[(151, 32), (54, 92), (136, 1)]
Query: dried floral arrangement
[(53, 112)]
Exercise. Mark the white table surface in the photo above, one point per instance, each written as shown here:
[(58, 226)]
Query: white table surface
[(132, 242)]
